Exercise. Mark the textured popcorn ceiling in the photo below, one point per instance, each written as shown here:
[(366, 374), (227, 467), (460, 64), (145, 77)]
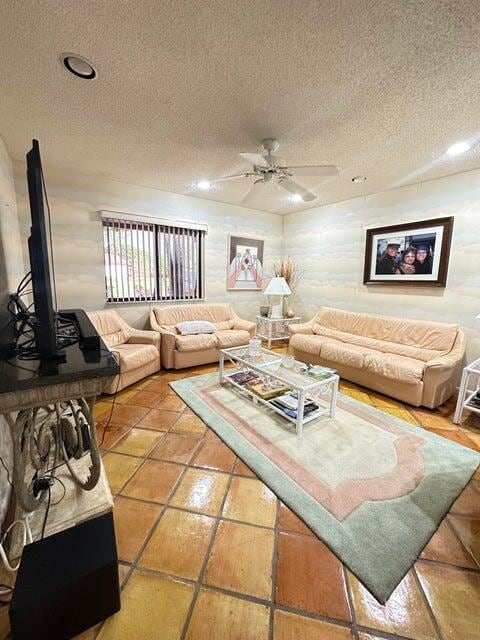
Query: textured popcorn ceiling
[(379, 88)]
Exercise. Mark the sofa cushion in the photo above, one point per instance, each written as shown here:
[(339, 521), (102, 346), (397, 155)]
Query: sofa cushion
[(133, 356), (308, 343), (232, 338), (196, 343), (435, 336), (350, 355), (417, 353), (405, 370)]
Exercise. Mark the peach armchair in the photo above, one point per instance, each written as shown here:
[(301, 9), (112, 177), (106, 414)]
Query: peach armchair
[(138, 351)]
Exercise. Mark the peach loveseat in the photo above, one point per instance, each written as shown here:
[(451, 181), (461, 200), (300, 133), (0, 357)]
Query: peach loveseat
[(138, 351), (179, 351), (415, 361)]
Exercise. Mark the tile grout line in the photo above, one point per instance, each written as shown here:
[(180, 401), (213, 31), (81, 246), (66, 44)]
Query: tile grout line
[(433, 619), (203, 568), (271, 629), (350, 600), (446, 565)]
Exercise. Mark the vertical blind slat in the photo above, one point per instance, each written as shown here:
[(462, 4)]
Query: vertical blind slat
[(122, 282), (191, 271), (153, 262), (184, 263), (140, 260), (191, 234), (127, 260), (161, 261), (109, 251), (115, 259), (133, 258), (195, 262), (173, 265)]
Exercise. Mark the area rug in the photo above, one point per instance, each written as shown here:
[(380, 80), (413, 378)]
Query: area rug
[(372, 487)]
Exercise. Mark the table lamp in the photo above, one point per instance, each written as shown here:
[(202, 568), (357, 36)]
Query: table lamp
[(277, 287)]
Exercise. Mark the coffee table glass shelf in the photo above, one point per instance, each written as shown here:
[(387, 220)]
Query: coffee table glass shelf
[(322, 390)]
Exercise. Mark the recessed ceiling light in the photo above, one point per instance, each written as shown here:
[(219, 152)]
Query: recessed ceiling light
[(295, 197), (458, 147), (203, 184), (78, 65), (359, 179)]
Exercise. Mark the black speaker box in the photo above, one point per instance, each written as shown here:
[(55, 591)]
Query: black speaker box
[(67, 582)]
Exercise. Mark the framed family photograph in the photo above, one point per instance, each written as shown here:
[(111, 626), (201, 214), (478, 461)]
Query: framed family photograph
[(245, 264), (415, 253)]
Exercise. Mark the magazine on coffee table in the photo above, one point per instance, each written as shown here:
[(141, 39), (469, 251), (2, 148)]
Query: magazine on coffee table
[(267, 390), (309, 408), (319, 373), (242, 377)]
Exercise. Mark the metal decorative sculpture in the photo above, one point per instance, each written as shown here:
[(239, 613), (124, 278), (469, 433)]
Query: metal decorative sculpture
[(48, 436)]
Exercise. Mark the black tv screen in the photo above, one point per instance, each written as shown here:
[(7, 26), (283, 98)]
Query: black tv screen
[(45, 329)]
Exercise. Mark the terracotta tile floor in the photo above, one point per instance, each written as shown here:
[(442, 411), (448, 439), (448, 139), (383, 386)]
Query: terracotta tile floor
[(208, 551)]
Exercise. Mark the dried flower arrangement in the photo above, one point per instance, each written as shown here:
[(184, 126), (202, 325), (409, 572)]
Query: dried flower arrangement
[(288, 268)]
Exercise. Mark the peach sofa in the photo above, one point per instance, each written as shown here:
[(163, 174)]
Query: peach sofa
[(178, 352), (138, 352), (414, 361)]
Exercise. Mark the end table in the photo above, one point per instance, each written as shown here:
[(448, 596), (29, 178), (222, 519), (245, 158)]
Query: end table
[(465, 394), (271, 329)]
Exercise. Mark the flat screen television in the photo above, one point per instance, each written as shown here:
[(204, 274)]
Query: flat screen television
[(45, 322)]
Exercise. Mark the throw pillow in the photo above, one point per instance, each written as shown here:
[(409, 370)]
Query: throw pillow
[(192, 327)]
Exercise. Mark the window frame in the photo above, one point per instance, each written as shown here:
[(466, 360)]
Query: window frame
[(110, 219)]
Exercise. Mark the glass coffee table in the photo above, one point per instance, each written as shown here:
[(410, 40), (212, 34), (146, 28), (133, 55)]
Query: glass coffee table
[(321, 387)]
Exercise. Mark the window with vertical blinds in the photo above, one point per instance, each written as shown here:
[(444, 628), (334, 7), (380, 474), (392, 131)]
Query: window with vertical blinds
[(145, 261)]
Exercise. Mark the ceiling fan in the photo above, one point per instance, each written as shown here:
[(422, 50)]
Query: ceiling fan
[(268, 167)]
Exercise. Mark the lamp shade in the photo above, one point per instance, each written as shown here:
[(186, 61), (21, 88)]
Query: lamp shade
[(277, 287)]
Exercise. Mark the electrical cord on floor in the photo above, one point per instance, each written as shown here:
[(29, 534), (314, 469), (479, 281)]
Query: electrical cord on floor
[(51, 480), (54, 504), (107, 424), (27, 535), (46, 513)]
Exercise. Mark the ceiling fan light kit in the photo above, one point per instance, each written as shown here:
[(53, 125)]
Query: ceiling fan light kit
[(268, 168)]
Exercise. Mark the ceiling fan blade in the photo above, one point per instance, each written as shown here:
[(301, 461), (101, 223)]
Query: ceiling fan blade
[(255, 190), (255, 158), (235, 177), (292, 187), (314, 170)]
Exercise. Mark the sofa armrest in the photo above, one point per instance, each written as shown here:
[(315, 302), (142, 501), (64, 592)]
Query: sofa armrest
[(244, 325), (440, 377), (304, 327), (144, 337)]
